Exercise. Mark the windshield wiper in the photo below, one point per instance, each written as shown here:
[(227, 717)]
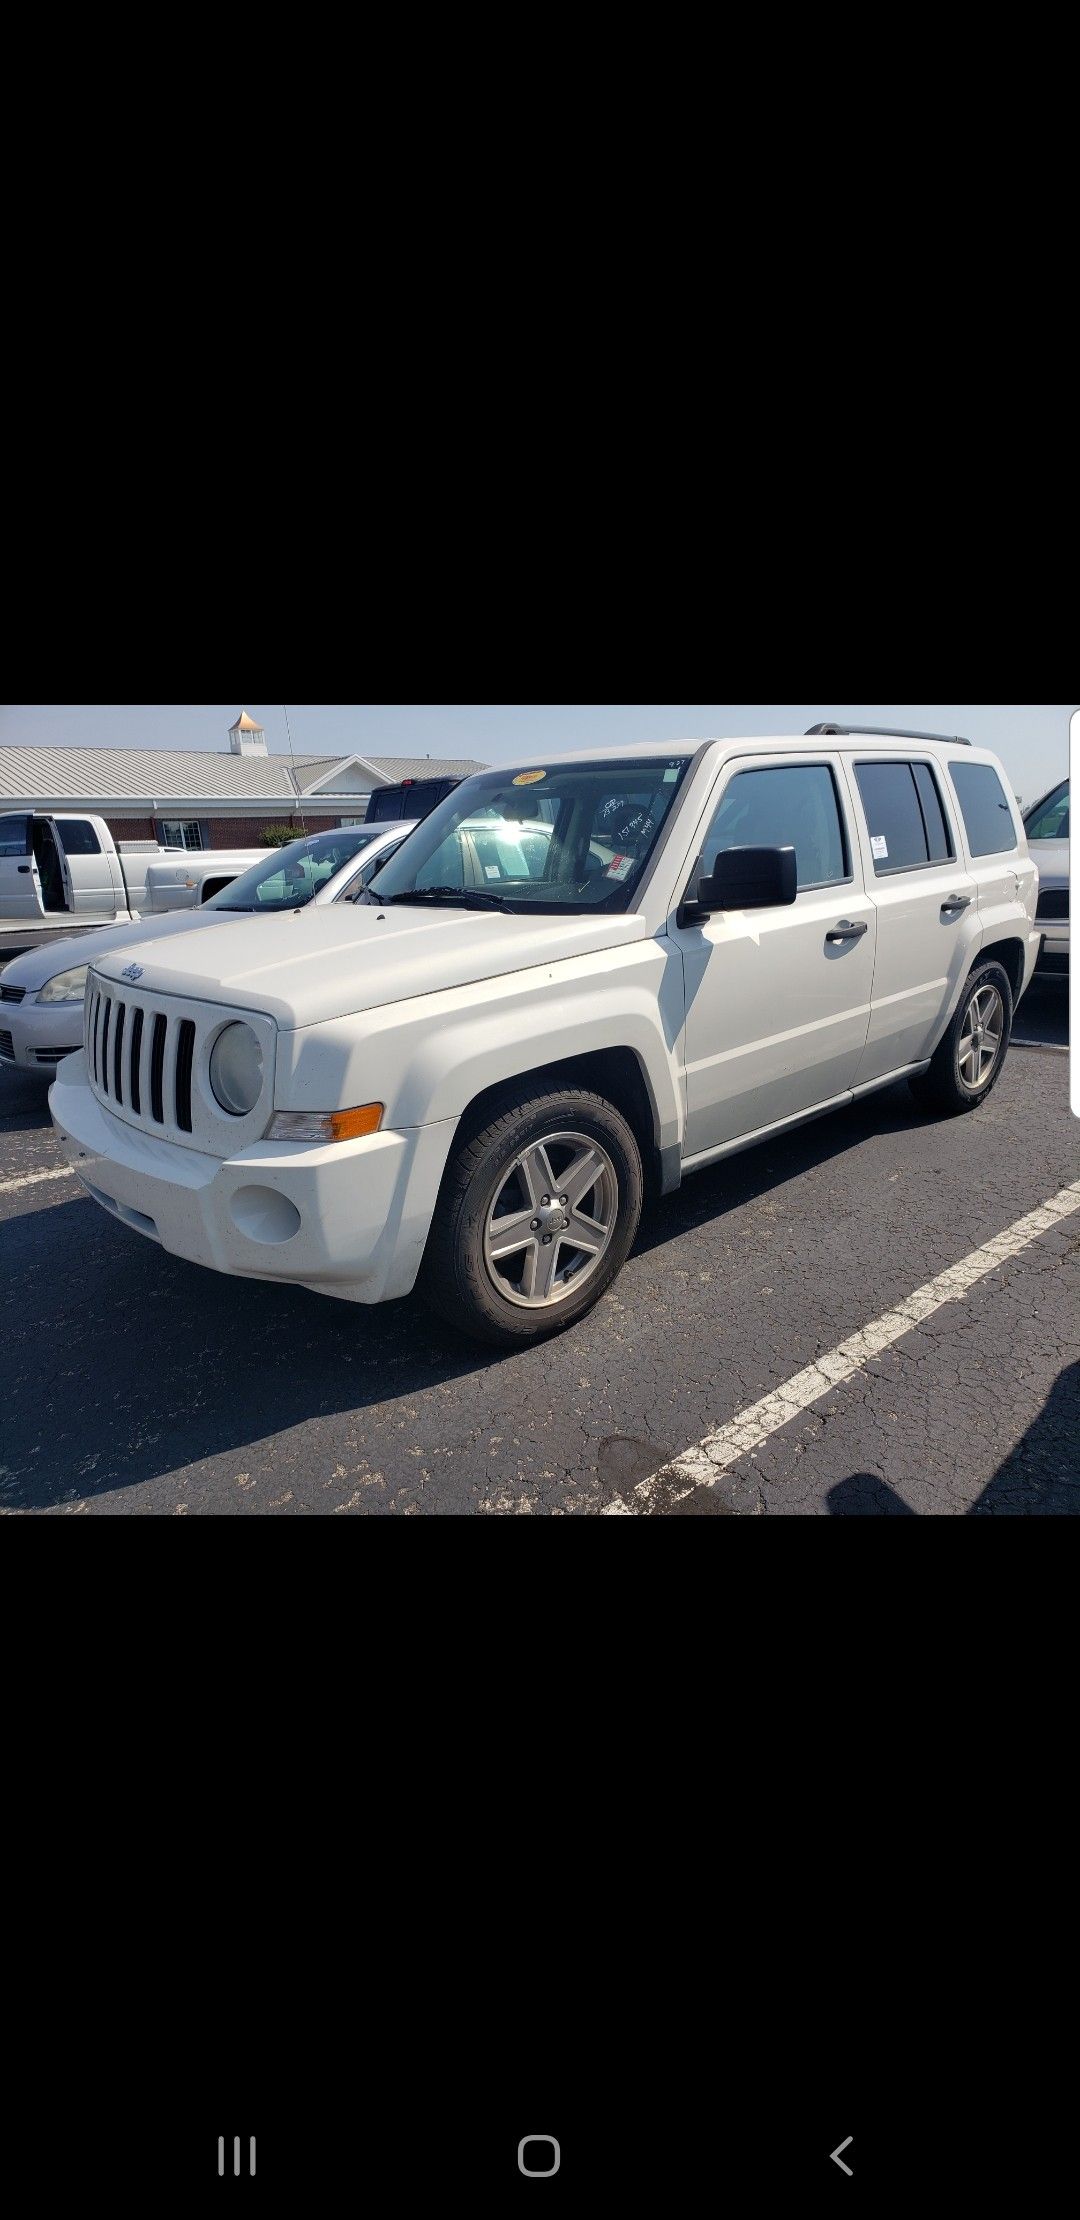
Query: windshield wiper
[(454, 897)]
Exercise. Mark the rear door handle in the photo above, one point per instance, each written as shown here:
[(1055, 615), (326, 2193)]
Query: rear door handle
[(954, 903), (844, 931), (25, 869)]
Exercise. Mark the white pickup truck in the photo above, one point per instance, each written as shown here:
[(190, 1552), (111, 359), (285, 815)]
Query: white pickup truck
[(577, 980), (70, 866)]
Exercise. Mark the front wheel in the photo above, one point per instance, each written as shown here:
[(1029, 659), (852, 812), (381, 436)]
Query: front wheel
[(968, 1061), (536, 1215)]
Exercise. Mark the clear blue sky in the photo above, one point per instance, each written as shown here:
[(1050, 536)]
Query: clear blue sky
[(1033, 742)]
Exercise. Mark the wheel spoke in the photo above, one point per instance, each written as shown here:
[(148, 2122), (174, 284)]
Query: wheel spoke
[(585, 1233), (536, 1173), (504, 1235), (581, 1177), (528, 1277), (549, 1265)]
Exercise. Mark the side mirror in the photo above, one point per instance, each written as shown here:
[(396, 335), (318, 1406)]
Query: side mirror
[(748, 879)]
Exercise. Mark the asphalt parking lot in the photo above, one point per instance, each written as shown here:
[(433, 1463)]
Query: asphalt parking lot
[(135, 1383)]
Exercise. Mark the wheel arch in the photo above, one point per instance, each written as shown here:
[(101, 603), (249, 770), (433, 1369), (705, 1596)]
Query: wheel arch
[(615, 1073), (1009, 953)]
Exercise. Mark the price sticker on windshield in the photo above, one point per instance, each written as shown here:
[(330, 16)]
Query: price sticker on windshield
[(529, 778)]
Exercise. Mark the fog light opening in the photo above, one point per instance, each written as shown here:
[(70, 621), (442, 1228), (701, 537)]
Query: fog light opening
[(262, 1214)]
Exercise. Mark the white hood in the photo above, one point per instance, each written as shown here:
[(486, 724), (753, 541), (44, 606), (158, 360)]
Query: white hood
[(314, 965)]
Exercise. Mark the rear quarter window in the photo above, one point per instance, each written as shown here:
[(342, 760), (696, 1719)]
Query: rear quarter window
[(78, 837), (988, 819)]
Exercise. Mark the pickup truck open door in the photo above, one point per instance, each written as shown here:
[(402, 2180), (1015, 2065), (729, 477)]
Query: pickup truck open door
[(53, 832), (20, 882)]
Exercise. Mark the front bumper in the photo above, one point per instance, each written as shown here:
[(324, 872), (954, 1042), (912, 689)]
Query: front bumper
[(348, 1219), (38, 1034)]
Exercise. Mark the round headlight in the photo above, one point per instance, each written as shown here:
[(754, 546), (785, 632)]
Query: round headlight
[(236, 1070)]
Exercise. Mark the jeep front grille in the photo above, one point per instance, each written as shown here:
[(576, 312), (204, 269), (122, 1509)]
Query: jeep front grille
[(143, 1052)]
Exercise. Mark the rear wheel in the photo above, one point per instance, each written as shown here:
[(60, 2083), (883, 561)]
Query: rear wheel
[(536, 1215), (968, 1061)]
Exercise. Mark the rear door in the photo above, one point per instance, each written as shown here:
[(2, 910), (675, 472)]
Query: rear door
[(20, 882), (925, 897), (778, 1000), (1001, 865), (88, 870)]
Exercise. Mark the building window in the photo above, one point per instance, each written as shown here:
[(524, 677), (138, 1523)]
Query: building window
[(182, 832)]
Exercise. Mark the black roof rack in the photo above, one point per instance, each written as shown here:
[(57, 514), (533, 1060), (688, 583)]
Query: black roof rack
[(884, 732)]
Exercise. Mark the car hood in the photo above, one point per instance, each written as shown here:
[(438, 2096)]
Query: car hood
[(1052, 858), (316, 964), (41, 964)]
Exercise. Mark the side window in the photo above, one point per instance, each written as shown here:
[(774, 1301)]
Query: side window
[(791, 805), (14, 836), (77, 837), (902, 831), (987, 816)]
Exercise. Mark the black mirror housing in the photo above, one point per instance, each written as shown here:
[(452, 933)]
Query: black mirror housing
[(750, 879)]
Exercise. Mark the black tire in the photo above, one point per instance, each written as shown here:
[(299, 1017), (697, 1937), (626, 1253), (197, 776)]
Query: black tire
[(458, 1281), (946, 1087)]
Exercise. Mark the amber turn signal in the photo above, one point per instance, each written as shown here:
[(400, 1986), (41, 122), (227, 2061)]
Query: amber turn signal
[(348, 1125)]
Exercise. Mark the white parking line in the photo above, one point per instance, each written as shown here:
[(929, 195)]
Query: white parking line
[(30, 1179), (704, 1465)]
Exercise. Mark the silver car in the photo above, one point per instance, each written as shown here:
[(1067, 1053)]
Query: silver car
[(41, 992), (1047, 828)]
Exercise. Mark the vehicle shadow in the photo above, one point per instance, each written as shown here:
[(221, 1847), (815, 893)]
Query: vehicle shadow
[(735, 1181), (123, 1364), (1043, 1016), (1040, 1478), (24, 1102)]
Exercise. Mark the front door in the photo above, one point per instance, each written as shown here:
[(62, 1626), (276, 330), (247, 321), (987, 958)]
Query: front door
[(778, 1000), (20, 883)]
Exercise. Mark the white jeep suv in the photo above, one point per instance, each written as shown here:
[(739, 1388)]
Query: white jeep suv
[(580, 976)]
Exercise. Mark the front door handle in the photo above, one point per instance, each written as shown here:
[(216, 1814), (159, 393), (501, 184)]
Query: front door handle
[(844, 931), (954, 903), (25, 869)]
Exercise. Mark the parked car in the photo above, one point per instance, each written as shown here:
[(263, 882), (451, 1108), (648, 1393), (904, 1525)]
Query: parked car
[(575, 980), (41, 993), (1047, 829), (70, 866)]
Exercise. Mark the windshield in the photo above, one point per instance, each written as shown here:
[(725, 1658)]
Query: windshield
[(572, 836), (1049, 820), (287, 878)]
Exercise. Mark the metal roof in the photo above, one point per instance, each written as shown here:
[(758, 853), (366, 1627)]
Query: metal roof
[(156, 775)]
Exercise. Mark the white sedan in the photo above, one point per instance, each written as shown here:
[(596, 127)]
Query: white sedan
[(41, 993)]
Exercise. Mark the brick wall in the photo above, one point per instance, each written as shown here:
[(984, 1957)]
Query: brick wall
[(228, 832)]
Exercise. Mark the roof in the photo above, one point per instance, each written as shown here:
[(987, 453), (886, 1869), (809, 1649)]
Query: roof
[(398, 767), (244, 723), (159, 775)]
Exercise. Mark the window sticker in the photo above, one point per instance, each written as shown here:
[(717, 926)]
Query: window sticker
[(879, 847), (529, 778), (619, 866), (491, 871), (671, 776)]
